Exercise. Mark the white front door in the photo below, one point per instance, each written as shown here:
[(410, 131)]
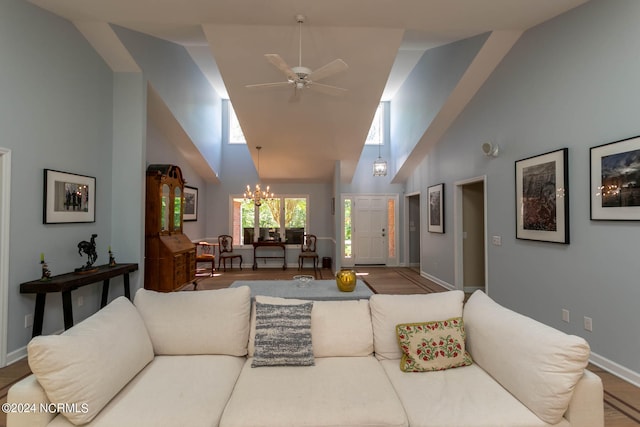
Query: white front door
[(370, 234)]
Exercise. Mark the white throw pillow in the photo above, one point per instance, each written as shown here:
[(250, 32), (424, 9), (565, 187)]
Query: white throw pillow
[(387, 311), (538, 364), (203, 322), (90, 363), (338, 328)]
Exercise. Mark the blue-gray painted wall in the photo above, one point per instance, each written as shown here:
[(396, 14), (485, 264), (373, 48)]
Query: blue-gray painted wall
[(55, 112), (571, 82)]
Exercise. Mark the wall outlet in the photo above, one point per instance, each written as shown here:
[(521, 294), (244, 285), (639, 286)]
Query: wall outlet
[(28, 320), (565, 315), (588, 324), (496, 240), (80, 301)]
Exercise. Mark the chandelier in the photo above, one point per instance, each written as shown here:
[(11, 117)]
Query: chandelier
[(379, 165), (258, 194)]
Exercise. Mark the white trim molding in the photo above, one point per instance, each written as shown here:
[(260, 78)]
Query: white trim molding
[(5, 209)]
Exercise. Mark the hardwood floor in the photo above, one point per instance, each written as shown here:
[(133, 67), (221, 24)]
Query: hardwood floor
[(621, 399)]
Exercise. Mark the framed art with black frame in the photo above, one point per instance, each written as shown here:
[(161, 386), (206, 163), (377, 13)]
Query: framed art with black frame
[(435, 211), (615, 180), (68, 197), (542, 197), (190, 204)]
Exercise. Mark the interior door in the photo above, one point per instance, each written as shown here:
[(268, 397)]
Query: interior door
[(370, 234)]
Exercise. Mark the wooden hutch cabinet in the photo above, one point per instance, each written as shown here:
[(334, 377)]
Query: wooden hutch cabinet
[(170, 257)]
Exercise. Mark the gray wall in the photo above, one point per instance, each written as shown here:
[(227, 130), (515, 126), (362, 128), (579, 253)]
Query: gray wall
[(571, 82), (56, 113)]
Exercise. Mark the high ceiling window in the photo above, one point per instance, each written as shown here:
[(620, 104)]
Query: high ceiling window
[(235, 131), (376, 132)]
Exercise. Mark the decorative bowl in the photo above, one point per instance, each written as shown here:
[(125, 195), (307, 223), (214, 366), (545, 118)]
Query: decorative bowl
[(346, 280)]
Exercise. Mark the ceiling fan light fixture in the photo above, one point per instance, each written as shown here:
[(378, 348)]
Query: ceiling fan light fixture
[(301, 77)]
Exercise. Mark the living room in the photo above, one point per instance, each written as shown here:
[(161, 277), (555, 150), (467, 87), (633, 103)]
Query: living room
[(569, 82)]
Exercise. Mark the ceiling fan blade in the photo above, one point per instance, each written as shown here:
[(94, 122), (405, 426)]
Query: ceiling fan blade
[(333, 67), (326, 89), (281, 65), (267, 85)]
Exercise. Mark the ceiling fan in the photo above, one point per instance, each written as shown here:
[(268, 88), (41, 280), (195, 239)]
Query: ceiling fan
[(301, 77)]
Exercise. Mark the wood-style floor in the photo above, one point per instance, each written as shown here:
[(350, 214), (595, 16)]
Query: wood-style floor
[(621, 399)]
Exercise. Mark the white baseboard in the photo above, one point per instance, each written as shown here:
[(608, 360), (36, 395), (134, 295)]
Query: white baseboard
[(438, 281), (616, 369), (16, 355)]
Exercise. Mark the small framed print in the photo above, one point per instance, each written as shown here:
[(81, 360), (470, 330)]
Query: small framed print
[(615, 180), (542, 197), (435, 211), (190, 204), (68, 197)]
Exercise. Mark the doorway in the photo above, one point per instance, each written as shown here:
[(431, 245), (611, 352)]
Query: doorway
[(371, 230), (412, 239), (470, 235)]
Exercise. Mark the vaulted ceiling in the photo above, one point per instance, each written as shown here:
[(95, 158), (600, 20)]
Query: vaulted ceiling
[(380, 40)]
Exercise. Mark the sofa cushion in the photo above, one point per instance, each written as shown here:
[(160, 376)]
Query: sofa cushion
[(173, 391), (338, 328), (337, 391), (466, 396), (538, 364), (283, 335), (432, 346), (203, 322), (91, 362), (387, 311)]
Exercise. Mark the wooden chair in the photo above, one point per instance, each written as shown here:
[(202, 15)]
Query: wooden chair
[(308, 251), (225, 246), (205, 253)]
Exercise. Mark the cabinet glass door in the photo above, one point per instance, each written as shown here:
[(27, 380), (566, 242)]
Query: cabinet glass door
[(164, 208), (177, 209)]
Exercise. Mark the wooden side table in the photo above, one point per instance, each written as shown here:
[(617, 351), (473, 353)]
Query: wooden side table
[(269, 244), (65, 283)]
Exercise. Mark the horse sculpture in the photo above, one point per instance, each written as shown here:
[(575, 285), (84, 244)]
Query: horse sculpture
[(88, 248)]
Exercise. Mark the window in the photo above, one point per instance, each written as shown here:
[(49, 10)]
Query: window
[(348, 248), (235, 131), (288, 213), (376, 132)]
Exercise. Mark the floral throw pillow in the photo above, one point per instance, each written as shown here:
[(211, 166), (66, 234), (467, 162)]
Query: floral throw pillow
[(432, 346)]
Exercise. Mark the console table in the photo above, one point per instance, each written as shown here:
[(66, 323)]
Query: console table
[(65, 283), (269, 244)]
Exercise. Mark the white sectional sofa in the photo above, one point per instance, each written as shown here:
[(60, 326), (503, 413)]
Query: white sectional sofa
[(191, 358)]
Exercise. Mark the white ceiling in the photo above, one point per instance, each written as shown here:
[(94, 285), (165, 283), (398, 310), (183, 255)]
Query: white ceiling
[(380, 40)]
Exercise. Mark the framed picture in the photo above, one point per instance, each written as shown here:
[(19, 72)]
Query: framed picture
[(435, 213), (190, 204), (615, 180), (68, 197), (542, 197)]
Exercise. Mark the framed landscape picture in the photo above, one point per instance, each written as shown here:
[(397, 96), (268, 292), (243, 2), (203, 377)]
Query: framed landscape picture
[(435, 211), (615, 180), (190, 204), (542, 197), (68, 197)]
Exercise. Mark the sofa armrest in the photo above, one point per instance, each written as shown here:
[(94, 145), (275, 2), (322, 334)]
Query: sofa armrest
[(28, 393), (586, 408)]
